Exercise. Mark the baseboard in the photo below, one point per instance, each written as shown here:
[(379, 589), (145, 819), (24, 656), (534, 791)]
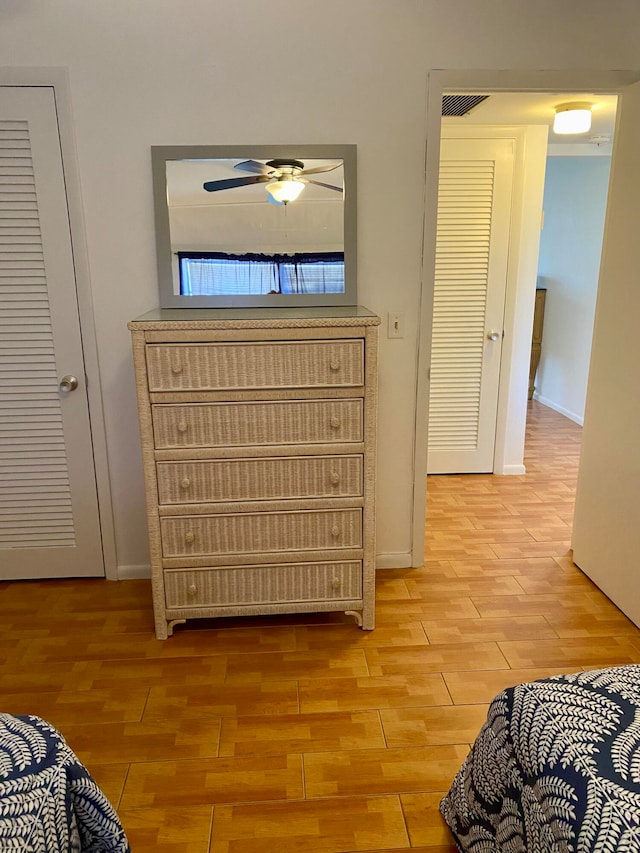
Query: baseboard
[(511, 470), (128, 573), (560, 409), (394, 561)]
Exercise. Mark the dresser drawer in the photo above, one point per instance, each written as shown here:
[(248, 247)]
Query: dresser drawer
[(261, 423), (259, 479), (282, 364), (273, 584), (260, 533)]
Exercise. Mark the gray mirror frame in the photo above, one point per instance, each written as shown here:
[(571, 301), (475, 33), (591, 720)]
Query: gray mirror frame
[(160, 154)]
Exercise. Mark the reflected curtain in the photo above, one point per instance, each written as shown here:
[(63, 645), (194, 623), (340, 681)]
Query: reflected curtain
[(223, 274)]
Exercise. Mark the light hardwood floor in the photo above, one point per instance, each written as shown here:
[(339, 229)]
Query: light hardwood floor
[(305, 733)]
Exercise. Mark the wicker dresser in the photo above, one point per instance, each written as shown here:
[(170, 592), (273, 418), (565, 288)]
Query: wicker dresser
[(258, 435)]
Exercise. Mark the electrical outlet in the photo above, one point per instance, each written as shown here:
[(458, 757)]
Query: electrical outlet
[(395, 325)]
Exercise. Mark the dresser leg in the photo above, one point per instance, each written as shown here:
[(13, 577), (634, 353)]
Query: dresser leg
[(161, 631), (356, 614), (172, 624), (359, 617)]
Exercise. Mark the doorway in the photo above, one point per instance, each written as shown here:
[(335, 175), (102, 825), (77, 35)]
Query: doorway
[(463, 401), (513, 417)]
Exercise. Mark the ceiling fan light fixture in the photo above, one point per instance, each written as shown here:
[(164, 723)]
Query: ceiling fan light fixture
[(287, 188), (572, 118)]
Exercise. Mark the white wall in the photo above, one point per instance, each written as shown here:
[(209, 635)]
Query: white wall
[(157, 72), (261, 227), (575, 197)]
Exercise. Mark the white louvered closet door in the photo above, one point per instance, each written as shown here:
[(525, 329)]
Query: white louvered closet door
[(472, 245), (49, 523)]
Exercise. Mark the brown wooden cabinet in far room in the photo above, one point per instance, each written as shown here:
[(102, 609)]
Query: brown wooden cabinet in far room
[(536, 338), (258, 436)]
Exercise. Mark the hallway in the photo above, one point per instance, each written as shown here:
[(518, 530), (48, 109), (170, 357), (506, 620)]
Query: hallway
[(487, 517)]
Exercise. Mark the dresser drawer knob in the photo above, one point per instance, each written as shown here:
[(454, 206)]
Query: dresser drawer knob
[(192, 590), (335, 531), (183, 426), (336, 583), (189, 537), (334, 423), (185, 483), (334, 364), (335, 478), (176, 369)]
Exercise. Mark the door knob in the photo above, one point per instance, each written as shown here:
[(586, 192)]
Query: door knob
[(493, 336), (68, 383)]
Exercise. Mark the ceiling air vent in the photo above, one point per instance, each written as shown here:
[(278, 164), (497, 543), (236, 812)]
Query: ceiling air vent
[(460, 105)]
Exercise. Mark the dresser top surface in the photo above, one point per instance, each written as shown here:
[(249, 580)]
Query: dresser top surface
[(251, 318)]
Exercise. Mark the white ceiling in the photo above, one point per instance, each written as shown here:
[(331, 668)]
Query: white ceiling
[(539, 108)]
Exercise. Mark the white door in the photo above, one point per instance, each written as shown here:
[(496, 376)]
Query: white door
[(49, 525), (606, 534), (472, 246)]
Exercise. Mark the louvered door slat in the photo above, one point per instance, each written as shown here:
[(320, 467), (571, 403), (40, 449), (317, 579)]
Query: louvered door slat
[(26, 460), (461, 251), (464, 271)]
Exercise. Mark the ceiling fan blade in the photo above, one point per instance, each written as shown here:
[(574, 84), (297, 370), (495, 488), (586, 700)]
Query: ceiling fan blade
[(319, 169), (254, 166), (230, 183), (328, 186)]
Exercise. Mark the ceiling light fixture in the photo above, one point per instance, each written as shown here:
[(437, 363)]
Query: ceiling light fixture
[(286, 189), (572, 118)]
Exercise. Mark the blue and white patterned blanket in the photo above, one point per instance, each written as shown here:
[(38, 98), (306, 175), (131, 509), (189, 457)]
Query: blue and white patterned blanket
[(48, 801), (556, 768)]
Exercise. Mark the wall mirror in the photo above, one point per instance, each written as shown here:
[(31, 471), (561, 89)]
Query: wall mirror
[(255, 226)]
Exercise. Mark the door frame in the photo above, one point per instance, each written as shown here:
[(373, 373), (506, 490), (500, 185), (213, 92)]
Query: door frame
[(58, 80), (487, 81)]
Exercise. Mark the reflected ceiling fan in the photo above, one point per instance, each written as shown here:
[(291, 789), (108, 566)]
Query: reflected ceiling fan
[(284, 179)]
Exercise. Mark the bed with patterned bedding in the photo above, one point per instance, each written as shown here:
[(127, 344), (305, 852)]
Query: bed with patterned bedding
[(556, 767), (48, 801)]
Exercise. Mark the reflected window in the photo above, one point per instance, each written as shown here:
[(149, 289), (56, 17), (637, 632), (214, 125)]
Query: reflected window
[(223, 274)]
